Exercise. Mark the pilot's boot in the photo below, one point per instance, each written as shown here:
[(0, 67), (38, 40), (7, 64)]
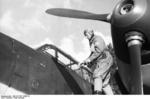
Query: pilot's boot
[(98, 92)]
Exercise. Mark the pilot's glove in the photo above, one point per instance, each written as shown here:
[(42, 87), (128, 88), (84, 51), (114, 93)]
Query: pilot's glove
[(86, 62), (84, 65)]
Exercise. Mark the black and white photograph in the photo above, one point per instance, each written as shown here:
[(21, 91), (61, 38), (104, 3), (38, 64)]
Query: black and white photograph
[(74, 47)]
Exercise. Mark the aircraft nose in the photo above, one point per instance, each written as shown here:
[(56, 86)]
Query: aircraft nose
[(127, 12)]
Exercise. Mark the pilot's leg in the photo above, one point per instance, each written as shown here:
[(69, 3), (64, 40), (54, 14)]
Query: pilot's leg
[(106, 86), (98, 85), (107, 90)]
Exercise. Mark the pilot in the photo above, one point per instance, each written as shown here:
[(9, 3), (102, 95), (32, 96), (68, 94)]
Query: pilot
[(100, 61)]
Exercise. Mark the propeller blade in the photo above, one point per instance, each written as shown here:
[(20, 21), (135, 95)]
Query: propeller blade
[(136, 82), (77, 14)]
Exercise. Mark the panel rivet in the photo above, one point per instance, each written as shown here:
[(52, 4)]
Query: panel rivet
[(35, 84), (43, 65)]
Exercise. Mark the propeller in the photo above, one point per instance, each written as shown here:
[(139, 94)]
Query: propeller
[(77, 14), (135, 41), (136, 76)]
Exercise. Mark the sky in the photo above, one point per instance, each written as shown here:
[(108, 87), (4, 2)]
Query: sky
[(27, 22)]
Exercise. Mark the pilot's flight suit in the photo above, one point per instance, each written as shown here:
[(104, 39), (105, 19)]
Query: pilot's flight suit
[(101, 61)]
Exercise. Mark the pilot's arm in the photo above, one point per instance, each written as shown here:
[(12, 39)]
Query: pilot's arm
[(96, 47), (95, 52)]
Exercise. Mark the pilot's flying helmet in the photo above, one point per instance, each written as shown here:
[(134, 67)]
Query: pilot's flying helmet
[(91, 32)]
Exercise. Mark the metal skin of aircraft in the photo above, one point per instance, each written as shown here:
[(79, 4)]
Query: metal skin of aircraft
[(131, 40), (24, 71)]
